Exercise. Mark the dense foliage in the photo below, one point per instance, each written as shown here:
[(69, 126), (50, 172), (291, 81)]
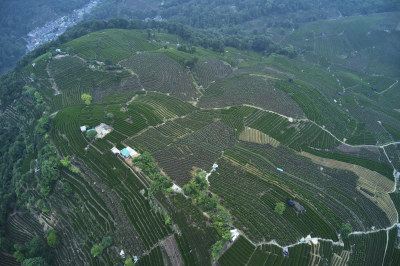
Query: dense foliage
[(228, 17), (230, 13)]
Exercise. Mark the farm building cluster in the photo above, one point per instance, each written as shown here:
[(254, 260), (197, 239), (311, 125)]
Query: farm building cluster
[(126, 153), (102, 130)]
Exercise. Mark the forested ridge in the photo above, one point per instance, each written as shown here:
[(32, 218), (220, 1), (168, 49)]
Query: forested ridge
[(218, 18)]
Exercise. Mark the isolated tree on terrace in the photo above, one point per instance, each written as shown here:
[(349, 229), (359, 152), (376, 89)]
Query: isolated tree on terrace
[(91, 134), (87, 98), (280, 208), (129, 262), (107, 241), (96, 250), (52, 239), (345, 231)]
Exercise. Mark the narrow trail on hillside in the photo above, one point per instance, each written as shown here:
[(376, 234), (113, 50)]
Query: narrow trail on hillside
[(337, 243), (388, 88), (52, 81), (313, 122)]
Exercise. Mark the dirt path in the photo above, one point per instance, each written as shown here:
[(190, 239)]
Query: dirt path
[(338, 243), (280, 72), (133, 172), (172, 250), (388, 88), (52, 81), (308, 120)]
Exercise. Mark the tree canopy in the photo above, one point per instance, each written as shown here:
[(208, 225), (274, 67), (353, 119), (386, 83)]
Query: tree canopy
[(107, 241), (87, 98), (345, 231), (53, 239), (129, 262), (38, 261), (280, 208), (96, 250), (91, 134)]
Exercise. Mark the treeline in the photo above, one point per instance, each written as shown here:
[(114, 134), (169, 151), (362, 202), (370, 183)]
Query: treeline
[(27, 162), (206, 39), (225, 17), (233, 14)]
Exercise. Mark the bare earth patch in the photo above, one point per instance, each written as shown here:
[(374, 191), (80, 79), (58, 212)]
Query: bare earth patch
[(173, 251)]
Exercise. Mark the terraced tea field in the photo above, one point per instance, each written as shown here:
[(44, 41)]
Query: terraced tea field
[(252, 90), (158, 72), (293, 150), (200, 149), (112, 44), (289, 132), (210, 71)]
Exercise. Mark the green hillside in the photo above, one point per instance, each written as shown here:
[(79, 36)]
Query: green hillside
[(293, 153)]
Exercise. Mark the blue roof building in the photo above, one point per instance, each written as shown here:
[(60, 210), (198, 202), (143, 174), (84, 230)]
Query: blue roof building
[(128, 152), (125, 153)]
